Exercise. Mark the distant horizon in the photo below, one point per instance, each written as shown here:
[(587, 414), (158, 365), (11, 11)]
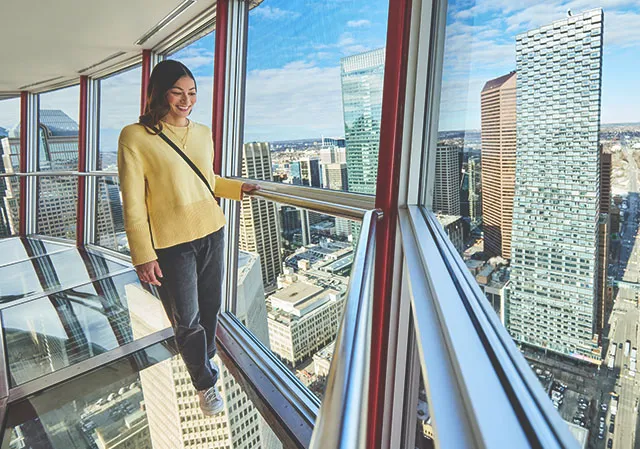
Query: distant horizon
[(479, 129), (319, 138)]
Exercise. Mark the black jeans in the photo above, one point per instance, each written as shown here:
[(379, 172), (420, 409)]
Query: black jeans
[(191, 293)]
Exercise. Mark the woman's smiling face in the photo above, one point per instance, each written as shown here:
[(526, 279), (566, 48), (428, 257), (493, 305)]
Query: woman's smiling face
[(181, 98)]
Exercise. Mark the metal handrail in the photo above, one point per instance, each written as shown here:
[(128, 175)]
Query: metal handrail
[(352, 206), (342, 420)]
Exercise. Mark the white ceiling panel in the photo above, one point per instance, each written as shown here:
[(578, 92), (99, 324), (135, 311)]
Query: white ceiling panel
[(53, 40)]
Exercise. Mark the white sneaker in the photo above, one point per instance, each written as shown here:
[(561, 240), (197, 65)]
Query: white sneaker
[(215, 366), (211, 403)]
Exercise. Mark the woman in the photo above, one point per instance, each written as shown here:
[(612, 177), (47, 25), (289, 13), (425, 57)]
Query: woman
[(173, 223)]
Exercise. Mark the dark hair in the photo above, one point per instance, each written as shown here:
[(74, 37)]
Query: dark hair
[(163, 77)]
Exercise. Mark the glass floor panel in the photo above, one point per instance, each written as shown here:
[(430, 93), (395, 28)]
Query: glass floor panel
[(49, 273), (144, 401), (49, 333), (15, 249)]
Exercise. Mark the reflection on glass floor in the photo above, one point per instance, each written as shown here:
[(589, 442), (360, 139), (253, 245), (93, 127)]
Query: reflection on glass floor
[(142, 401), (84, 308), (13, 250), (42, 268)]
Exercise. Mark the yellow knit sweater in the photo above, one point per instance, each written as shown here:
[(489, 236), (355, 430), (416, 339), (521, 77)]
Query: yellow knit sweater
[(165, 203)]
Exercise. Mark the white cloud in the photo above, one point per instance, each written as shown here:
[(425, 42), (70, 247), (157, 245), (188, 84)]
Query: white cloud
[(9, 113), (67, 100), (348, 45), (358, 23), (298, 100), (622, 29), (460, 103), (508, 7), (345, 40), (476, 47), (120, 100), (267, 12), (195, 57)]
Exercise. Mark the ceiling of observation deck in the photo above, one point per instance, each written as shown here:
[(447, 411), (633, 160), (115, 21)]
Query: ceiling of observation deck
[(46, 43)]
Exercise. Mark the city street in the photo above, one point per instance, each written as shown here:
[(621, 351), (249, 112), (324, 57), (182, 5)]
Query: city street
[(624, 321)]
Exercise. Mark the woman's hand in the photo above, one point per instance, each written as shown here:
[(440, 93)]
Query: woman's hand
[(149, 272), (249, 188)]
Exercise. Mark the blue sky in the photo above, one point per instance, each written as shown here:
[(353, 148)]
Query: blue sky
[(293, 64), (293, 69), (480, 45)]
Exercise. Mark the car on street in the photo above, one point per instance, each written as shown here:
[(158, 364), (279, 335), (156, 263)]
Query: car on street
[(609, 443), (611, 427), (603, 407)]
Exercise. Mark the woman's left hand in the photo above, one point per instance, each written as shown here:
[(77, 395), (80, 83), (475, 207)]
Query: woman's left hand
[(248, 188)]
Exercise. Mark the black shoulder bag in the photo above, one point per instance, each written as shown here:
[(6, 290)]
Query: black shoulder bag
[(187, 160)]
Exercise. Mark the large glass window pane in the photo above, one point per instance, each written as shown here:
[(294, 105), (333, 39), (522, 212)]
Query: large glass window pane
[(535, 182), (293, 272), (110, 231), (58, 129), (9, 163), (58, 150), (314, 90), (143, 401), (198, 57), (119, 107)]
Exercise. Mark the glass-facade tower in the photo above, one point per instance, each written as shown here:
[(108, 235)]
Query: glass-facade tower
[(556, 205), (362, 79)]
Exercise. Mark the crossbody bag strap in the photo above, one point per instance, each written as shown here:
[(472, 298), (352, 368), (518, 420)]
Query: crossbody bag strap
[(187, 160)]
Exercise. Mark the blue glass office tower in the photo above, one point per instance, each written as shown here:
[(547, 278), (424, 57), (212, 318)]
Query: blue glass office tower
[(556, 204), (362, 79)]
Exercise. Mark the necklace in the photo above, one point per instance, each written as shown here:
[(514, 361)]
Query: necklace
[(183, 140)]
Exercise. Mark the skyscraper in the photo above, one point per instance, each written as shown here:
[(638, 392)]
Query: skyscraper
[(446, 191), (474, 174), (498, 112), (603, 305), (334, 176), (310, 172), (259, 231), (362, 80), (556, 203), (330, 154), (9, 190), (295, 173)]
